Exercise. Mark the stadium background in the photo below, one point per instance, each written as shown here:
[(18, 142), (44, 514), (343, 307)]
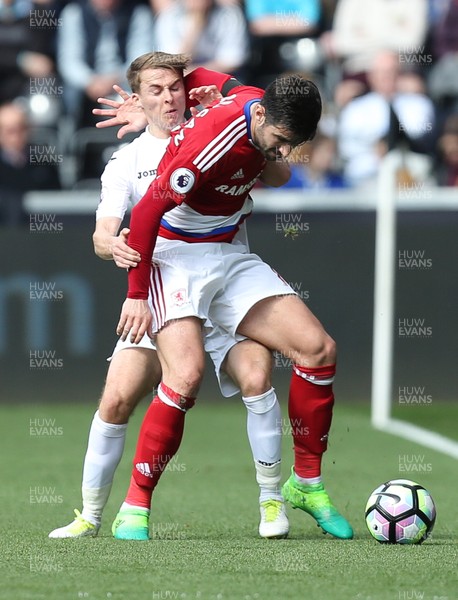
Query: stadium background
[(59, 303)]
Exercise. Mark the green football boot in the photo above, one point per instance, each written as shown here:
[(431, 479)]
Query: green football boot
[(131, 524), (314, 500)]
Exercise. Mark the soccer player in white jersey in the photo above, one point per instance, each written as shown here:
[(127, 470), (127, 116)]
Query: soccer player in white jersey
[(157, 80), (192, 211)]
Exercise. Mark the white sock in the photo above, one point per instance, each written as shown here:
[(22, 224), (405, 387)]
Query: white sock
[(127, 505), (307, 480), (104, 451), (264, 434), (268, 478)]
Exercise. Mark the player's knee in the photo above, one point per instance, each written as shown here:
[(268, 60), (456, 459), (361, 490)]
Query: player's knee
[(187, 380), (116, 407), (328, 354), (321, 352), (255, 381)]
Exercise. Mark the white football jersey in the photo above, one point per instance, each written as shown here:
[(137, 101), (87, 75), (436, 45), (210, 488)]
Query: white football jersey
[(129, 173)]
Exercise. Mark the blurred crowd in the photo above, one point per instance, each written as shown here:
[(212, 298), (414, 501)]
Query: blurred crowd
[(387, 70)]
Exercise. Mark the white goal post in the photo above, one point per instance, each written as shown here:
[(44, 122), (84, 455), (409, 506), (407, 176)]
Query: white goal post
[(384, 287)]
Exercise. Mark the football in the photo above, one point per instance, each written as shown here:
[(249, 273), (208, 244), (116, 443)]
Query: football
[(400, 512)]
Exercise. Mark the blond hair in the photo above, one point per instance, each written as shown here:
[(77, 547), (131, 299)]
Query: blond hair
[(155, 60)]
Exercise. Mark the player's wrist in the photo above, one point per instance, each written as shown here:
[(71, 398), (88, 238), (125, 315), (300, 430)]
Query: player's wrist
[(136, 295), (109, 247)]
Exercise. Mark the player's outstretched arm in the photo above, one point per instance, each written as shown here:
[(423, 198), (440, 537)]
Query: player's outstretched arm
[(136, 316), (109, 245), (202, 77), (126, 114)]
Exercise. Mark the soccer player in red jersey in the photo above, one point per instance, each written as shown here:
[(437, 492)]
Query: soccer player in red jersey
[(241, 365), (192, 211)]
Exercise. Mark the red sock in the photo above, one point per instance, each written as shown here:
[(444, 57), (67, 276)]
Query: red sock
[(310, 413), (158, 441)]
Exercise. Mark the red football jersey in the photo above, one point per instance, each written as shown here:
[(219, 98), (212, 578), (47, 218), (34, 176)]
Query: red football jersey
[(208, 170)]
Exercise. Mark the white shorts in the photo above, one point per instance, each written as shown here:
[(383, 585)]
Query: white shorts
[(217, 283), (217, 343), (220, 282), (145, 342)]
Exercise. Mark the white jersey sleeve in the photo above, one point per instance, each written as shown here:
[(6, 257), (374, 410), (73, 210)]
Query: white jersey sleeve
[(116, 189), (128, 174)]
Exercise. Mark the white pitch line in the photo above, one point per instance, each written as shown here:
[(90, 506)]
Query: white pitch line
[(421, 436)]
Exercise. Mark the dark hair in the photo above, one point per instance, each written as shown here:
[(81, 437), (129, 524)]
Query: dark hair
[(293, 103)]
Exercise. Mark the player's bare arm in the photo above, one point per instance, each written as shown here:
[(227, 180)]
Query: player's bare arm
[(136, 316), (109, 245)]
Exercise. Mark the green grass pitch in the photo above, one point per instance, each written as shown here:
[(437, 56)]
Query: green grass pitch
[(205, 516)]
